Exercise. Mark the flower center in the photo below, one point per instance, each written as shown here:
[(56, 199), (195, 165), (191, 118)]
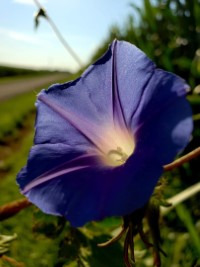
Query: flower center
[(118, 146), (117, 157)]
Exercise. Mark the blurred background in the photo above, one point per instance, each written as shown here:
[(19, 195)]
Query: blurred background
[(84, 25), (32, 58)]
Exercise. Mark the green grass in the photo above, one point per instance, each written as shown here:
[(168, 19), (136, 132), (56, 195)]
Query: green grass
[(13, 113), (15, 78), (185, 216), (8, 79), (194, 99), (11, 71)]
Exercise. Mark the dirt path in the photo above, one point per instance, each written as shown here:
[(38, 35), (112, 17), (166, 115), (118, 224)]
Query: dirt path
[(10, 89)]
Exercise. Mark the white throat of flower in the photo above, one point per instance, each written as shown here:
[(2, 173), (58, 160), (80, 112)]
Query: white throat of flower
[(120, 146)]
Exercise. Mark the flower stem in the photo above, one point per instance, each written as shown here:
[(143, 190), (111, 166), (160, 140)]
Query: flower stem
[(60, 36), (193, 154), (114, 239), (12, 261), (10, 209), (182, 196)]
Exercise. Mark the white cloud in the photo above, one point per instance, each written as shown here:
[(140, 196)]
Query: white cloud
[(27, 2), (23, 37), (19, 36)]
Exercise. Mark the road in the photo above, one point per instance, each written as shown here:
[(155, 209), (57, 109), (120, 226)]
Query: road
[(10, 89)]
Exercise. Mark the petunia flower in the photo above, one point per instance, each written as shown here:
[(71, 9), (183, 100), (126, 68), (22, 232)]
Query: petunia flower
[(101, 141)]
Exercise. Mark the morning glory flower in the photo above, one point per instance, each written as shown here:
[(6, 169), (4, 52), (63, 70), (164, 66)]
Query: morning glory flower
[(101, 141)]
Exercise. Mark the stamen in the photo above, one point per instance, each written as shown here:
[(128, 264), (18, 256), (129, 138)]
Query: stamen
[(117, 157)]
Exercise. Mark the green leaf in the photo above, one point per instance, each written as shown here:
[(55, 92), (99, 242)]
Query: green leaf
[(186, 218)]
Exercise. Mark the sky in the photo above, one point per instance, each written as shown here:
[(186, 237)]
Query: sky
[(83, 23)]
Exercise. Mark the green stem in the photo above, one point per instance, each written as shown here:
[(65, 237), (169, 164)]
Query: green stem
[(177, 163), (60, 37), (182, 196)]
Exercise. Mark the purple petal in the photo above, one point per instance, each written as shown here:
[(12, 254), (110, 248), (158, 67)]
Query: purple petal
[(81, 124), (163, 117), (133, 70), (76, 164)]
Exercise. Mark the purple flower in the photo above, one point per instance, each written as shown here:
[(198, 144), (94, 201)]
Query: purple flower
[(101, 140)]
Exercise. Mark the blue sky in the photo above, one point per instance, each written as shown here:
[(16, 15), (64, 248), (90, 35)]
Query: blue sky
[(83, 23)]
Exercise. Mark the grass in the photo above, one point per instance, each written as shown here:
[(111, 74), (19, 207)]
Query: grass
[(184, 215), (8, 79), (194, 99), (13, 112), (11, 71)]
